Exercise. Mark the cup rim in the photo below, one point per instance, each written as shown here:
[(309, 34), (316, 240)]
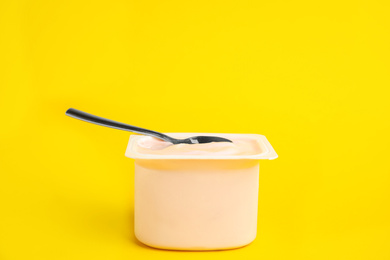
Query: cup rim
[(267, 151)]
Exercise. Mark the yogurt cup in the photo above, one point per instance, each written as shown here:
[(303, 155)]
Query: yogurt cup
[(197, 200)]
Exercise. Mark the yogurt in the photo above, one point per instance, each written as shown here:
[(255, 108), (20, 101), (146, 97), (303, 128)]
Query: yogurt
[(239, 146), (197, 196)]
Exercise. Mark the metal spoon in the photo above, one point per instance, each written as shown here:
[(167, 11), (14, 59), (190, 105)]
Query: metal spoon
[(121, 126)]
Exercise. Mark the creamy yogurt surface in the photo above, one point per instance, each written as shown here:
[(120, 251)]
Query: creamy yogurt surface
[(239, 146)]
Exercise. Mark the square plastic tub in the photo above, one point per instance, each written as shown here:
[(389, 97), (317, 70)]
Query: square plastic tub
[(197, 202)]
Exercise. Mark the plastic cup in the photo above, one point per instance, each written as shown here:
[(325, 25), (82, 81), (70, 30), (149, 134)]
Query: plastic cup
[(197, 202)]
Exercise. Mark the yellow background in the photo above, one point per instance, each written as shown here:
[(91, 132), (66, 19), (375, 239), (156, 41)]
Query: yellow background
[(313, 76)]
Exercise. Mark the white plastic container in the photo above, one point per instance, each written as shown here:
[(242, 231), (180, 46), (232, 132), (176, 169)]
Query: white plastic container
[(197, 202)]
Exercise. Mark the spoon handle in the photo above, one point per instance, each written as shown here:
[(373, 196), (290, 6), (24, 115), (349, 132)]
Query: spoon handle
[(114, 124)]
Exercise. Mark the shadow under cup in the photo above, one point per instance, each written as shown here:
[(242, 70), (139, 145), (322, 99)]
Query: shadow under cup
[(197, 202)]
